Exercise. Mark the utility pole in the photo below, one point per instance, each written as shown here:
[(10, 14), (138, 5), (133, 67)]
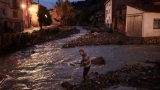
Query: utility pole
[(38, 5), (38, 2), (40, 24)]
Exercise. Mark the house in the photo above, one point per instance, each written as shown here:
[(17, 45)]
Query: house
[(10, 16), (108, 13), (25, 5), (143, 20), (34, 11), (135, 18), (111, 8)]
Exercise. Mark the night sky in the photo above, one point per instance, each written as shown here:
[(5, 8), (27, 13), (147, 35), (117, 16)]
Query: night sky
[(50, 3)]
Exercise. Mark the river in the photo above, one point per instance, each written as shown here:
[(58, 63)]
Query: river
[(45, 66)]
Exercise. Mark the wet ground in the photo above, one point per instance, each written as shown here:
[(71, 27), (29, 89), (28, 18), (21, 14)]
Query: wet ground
[(46, 66)]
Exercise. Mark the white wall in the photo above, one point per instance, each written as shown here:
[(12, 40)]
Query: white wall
[(34, 17), (134, 21), (148, 30), (108, 13), (133, 11)]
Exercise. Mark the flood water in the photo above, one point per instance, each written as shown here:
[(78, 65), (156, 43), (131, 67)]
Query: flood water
[(45, 66)]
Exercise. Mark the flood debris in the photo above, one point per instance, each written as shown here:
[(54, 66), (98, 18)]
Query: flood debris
[(138, 76), (67, 85), (98, 61), (102, 37)]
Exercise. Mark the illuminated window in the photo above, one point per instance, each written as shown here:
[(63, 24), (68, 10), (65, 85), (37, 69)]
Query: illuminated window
[(156, 24)]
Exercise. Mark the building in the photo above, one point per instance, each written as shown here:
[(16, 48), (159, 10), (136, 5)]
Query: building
[(143, 20), (10, 16), (135, 18), (34, 11), (108, 13), (111, 8), (25, 5)]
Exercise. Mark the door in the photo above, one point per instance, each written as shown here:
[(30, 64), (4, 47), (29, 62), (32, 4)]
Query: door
[(134, 26)]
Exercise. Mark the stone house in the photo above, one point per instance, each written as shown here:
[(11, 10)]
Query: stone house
[(26, 7), (137, 18), (10, 16)]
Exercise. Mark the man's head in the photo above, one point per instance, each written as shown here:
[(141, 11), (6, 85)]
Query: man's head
[(81, 52)]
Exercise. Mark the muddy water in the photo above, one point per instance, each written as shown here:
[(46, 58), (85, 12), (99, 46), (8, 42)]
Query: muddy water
[(46, 66)]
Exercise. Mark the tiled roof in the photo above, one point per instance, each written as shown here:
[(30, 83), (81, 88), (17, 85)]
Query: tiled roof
[(145, 6)]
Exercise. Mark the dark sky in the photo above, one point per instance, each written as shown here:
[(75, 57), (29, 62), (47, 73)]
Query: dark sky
[(50, 3)]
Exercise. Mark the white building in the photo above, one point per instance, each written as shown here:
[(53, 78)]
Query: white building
[(108, 13), (34, 17), (111, 7), (134, 18), (143, 22)]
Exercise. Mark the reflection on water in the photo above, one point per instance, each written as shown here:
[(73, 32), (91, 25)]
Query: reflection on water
[(42, 67), (46, 66)]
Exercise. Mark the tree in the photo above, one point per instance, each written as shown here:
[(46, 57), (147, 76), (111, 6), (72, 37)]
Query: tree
[(44, 16), (87, 9), (65, 11)]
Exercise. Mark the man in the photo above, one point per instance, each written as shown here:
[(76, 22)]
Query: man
[(86, 63)]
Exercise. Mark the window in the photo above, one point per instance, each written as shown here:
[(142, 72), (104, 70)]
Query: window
[(4, 11), (156, 24), (106, 11), (15, 4), (15, 14)]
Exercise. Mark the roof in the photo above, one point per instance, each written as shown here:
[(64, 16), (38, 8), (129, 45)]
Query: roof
[(34, 3), (106, 2), (145, 6)]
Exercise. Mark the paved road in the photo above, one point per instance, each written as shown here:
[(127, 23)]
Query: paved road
[(46, 66)]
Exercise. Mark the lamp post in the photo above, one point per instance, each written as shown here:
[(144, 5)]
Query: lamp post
[(23, 6), (40, 24)]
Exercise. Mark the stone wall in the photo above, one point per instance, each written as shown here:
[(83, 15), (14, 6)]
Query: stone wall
[(13, 41), (152, 40)]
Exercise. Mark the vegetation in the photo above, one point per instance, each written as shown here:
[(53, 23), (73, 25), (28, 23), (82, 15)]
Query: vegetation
[(87, 11), (44, 16), (65, 11)]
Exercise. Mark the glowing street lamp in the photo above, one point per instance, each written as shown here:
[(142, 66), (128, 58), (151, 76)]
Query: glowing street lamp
[(23, 6), (46, 15)]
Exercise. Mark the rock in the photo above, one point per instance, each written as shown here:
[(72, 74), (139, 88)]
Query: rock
[(2, 77), (95, 33), (98, 61), (67, 85), (32, 52)]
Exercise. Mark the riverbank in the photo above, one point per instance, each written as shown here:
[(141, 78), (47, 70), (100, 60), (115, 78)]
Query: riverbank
[(102, 36), (10, 42), (140, 76)]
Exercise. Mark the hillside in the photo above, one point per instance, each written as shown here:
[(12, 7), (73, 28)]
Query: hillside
[(89, 11)]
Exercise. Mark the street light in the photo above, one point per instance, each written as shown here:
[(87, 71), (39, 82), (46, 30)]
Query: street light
[(46, 15), (23, 6)]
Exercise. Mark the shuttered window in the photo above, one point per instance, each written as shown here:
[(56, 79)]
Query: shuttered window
[(156, 24)]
